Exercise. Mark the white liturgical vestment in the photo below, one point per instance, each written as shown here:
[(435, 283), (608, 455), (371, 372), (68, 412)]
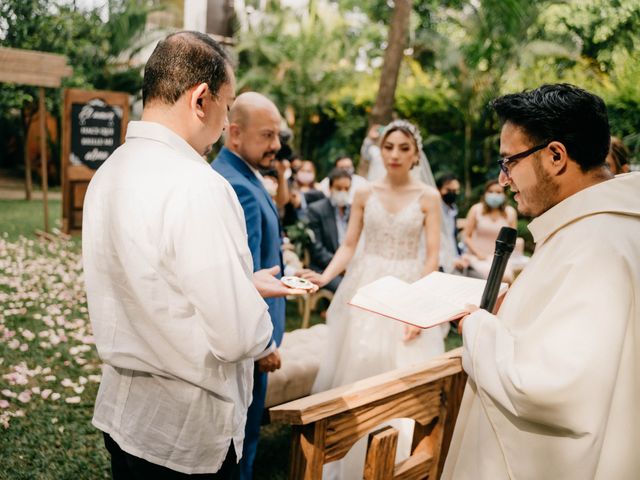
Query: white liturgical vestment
[(176, 317), (554, 377)]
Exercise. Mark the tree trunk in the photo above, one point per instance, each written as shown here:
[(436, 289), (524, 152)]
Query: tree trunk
[(398, 34), (28, 186), (468, 137)]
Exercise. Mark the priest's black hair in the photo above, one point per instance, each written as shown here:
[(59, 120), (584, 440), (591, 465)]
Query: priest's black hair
[(564, 113)]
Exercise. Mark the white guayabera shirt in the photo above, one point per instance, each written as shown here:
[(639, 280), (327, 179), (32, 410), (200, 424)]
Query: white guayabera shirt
[(176, 317)]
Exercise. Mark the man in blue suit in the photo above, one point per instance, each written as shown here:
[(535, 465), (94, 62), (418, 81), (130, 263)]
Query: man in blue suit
[(251, 142)]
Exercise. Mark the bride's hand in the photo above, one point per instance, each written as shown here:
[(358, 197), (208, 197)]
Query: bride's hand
[(313, 277), (410, 332)]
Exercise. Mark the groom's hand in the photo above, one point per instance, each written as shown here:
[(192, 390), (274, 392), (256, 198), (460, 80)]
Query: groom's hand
[(269, 286), (270, 363)]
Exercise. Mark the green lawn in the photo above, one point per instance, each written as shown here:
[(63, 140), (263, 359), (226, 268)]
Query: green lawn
[(49, 368), (48, 365), (20, 217)]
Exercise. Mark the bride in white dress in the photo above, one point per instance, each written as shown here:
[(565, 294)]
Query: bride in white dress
[(393, 213)]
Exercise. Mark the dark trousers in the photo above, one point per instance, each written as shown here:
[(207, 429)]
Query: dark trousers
[(125, 466)]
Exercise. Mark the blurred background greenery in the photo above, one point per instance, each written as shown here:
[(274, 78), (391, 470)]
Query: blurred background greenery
[(321, 62)]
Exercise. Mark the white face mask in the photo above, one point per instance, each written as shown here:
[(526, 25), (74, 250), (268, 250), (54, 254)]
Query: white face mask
[(494, 200), (340, 198), (270, 186), (305, 177)]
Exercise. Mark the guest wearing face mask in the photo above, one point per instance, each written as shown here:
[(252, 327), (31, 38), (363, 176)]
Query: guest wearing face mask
[(270, 179), (305, 181), (328, 218), (295, 163), (303, 192), (484, 221), (344, 162), (450, 259), (305, 177)]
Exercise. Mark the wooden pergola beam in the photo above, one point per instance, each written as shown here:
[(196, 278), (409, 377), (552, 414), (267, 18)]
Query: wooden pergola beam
[(37, 69)]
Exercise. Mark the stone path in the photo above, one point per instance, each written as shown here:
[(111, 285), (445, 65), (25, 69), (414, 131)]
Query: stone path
[(12, 188)]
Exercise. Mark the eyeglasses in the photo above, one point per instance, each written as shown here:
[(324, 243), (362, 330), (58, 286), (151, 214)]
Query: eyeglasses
[(503, 162)]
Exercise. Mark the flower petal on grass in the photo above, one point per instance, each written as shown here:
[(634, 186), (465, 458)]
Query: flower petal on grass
[(25, 396)]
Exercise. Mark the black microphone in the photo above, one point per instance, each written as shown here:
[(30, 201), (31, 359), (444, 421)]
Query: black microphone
[(504, 246)]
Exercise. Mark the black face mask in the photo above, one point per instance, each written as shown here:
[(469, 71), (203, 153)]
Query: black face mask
[(450, 198)]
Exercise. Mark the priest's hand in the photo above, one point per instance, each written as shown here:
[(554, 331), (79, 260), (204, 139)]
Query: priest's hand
[(470, 309), (270, 363), (410, 332), (461, 263)]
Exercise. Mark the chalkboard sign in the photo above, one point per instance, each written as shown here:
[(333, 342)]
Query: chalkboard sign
[(94, 125), (95, 132)]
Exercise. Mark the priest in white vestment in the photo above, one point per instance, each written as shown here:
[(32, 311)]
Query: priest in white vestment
[(554, 376)]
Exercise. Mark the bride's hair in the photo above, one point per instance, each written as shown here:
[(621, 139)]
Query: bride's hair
[(405, 127)]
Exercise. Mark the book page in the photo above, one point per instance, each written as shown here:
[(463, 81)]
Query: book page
[(378, 296), (436, 298), (461, 290)]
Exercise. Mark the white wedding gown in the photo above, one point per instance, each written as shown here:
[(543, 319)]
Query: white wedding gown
[(362, 344)]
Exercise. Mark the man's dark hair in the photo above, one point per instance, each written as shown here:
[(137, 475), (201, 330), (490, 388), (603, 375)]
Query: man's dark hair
[(445, 178), (340, 157), (181, 61), (337, 173), (285, 151), (564, 113)]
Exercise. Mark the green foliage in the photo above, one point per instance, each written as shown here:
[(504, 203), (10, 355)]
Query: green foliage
[(299, 58), (301, 236), (100, 53), (341, 125), (601, 27), (469, 53)]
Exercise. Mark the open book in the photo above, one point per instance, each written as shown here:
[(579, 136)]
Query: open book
[(434, 299)]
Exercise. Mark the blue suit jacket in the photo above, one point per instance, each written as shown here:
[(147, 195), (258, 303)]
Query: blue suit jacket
[(263, 224)]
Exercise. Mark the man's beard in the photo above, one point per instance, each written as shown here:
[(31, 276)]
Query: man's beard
[(257, 161), (543, 193), (267, 157)]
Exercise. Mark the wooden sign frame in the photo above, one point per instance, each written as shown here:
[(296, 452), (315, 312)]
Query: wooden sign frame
[(75, 178)]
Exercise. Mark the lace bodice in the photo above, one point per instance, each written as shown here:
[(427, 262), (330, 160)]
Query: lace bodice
[(395, 236)]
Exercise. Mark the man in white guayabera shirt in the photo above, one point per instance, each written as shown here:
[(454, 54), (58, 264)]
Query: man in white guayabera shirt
[(177, 313)]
